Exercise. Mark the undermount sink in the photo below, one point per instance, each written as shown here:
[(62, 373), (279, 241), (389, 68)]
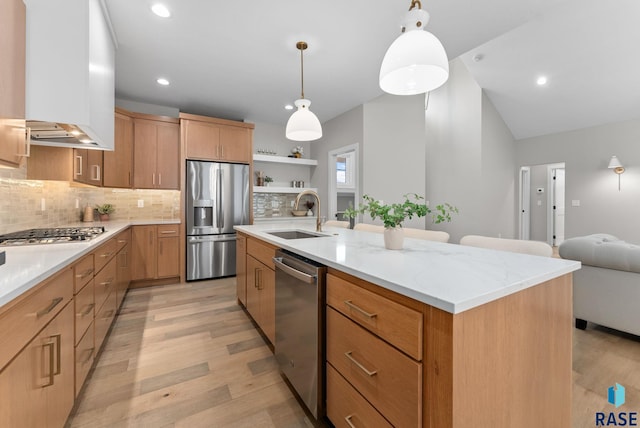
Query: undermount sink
[(295, 234)]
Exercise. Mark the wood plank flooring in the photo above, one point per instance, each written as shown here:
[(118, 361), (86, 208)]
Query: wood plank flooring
[(186, 355)]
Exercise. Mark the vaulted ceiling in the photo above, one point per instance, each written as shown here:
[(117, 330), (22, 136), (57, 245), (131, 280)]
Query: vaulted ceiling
[(238, 60)]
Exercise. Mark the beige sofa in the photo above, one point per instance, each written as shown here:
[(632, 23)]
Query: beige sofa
[(606, 290)]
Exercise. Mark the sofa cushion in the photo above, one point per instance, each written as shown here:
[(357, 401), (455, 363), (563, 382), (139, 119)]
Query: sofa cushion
[(602, 250)]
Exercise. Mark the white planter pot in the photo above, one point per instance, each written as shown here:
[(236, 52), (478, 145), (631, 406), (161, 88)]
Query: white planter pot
[(393, 238)]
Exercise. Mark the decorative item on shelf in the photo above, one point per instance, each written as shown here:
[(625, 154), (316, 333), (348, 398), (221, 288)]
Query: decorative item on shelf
[(299, 213), (416, 61), (104, 210), (260, 178), (297, 151), (617, 167), (267, 180), (392, 215), (303, 125), (309, 205)]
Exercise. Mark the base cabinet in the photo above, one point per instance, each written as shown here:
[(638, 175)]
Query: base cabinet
[(123, 266), (155, 252), (261, 296), (241, 269), (37, 386)]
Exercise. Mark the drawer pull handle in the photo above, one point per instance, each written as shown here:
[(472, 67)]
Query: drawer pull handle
[(122, 241), (360, 366), (107, 282), (85, 274), (88, 311), (49, 308), (51, 374), (348, 420), (57, 338), (89, 355), (109, 254), (108, 314), (166, 232), (362, 311)]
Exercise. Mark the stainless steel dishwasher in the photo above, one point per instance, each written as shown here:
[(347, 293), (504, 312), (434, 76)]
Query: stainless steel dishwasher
[(299, 347)]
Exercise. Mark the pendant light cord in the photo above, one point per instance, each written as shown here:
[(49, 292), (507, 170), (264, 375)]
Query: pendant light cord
[(301, 73)]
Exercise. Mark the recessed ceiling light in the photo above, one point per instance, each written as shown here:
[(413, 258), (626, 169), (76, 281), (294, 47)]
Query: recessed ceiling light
[(162, 81), (160, 10), (288, 107), (542, 80)]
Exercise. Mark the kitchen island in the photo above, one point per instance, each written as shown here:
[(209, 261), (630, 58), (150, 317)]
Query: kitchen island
[(440, 335)]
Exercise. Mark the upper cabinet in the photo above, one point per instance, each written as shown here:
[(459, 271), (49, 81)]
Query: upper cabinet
[(207, 138), (87, 167), (13, 141), (156, 153), (70, 71), (118, 164)]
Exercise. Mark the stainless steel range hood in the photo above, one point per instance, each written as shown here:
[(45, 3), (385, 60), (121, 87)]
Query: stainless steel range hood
[(70, 74)]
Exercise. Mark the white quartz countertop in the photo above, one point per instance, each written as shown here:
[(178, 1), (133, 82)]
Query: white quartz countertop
[(451, 277), (28, 265)]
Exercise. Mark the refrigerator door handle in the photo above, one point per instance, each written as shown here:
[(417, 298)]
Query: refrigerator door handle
[(194, 240), (219, 195)]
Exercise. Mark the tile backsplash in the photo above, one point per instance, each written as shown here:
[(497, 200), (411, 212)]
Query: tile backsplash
[(268, 205), (21, 202)]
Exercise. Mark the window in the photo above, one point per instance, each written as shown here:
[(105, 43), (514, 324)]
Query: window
[(345, 170)]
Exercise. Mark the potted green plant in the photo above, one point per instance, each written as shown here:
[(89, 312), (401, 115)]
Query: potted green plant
[(268, 180), (392, 215), (104, 210)]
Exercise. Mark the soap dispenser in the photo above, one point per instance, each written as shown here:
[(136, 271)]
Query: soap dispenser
[(88, 213)]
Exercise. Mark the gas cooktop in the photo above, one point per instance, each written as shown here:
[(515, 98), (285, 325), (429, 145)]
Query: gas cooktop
[(51, 236)]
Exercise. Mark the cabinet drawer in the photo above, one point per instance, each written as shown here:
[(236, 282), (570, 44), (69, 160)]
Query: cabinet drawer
[(261, 251), (82, 272), (388, 379), (27, 317), (85, 309), (105, 282), (123, 239), (166, 230), (85, 354), (395, 323), (104, 318), (105, 253), (345, 406)]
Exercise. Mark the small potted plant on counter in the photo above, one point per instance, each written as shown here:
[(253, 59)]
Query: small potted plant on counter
[(104, 210), (392, 215)]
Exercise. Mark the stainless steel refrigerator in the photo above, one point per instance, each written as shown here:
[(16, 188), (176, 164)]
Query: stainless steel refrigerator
[(217, 198)]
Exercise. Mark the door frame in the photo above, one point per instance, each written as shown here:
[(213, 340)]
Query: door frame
[(524, 203), (332, 193)]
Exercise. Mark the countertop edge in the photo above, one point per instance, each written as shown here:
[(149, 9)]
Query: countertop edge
[(451, 307)]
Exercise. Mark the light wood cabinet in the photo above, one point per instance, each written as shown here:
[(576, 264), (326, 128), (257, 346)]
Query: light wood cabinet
[(14, 144), (37, 387), (261, 296), (118, 164), (241, 268), (216, 139), (123, 265), (155, 252), (156, 153), (87, 166)]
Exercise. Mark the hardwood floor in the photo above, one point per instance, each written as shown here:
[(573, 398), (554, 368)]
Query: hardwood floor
[(186, 355)]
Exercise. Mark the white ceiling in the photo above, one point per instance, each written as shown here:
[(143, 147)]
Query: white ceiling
[(237, 59)]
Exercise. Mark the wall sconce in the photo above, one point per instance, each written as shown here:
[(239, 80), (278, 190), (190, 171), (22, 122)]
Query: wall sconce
[(617, 167)]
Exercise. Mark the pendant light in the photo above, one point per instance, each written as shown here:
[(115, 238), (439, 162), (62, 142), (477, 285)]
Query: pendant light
[(416, 61), (303, 125)]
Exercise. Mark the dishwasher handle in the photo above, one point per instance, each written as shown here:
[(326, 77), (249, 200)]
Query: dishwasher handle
[(309, 279)]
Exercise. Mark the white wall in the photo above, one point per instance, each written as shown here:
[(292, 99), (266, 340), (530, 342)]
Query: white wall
[(586, 153), (341, 131), (394, 150), (538, 213), (469, 159)]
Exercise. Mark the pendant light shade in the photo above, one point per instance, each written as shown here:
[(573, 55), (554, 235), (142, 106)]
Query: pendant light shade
[(303, 125), (416, 61)]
